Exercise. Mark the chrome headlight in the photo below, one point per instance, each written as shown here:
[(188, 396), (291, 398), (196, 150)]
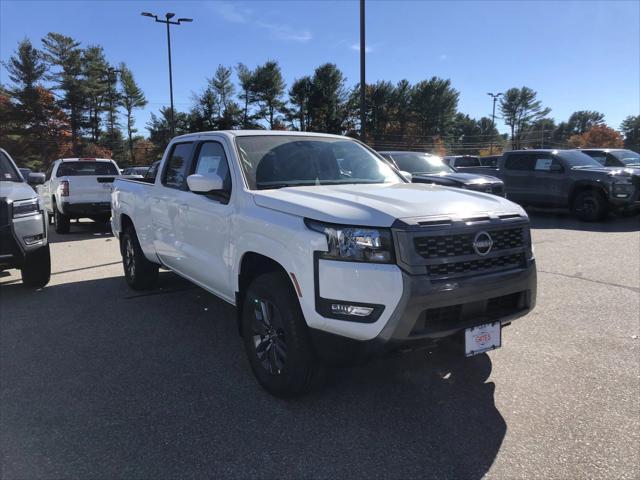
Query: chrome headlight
[(24, 208), (356, 244)]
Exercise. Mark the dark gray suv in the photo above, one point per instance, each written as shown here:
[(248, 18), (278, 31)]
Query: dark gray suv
[(569, 178)]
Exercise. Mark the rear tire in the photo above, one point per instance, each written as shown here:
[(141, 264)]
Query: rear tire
[(590, 206), (61, 222), (140, 273), (36, 271), (276, 337)]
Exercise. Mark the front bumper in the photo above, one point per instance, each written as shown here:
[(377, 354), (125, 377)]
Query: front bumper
[(429, 311), (92, 209), (20, 236), (437, 288)]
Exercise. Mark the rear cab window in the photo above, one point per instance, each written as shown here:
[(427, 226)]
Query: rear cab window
[(86, 168), (467, 162)]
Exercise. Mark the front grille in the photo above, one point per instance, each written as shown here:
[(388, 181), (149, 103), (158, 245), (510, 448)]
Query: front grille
[(443, 246), (503, 262)]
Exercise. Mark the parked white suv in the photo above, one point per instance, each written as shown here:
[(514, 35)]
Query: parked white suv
[(327, 252), (78, 188)]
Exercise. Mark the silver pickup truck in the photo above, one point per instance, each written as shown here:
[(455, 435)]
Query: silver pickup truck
[(23, 227)]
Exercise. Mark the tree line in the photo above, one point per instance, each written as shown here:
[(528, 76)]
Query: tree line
[(68, 100)]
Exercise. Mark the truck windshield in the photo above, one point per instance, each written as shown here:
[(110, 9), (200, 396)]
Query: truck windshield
[(276, 161), (421, 163), (7, 171), (578, 159), (628, 157), (86, 168)]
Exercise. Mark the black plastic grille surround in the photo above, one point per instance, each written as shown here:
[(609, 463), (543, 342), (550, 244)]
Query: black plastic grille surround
[(442, 246)]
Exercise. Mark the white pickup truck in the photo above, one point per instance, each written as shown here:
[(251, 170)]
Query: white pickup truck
[(327, 252), (78, 188)]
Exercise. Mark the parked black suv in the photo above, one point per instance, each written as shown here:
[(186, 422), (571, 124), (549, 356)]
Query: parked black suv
[(569, 178), (427, 168)]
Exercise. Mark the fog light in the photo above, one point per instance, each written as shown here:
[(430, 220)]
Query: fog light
[(622, 195), (355, 310), (33, 239)]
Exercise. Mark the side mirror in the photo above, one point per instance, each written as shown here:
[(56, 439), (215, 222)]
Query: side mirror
[(554, 167), (35, 179), (198, 183), (407, 176)]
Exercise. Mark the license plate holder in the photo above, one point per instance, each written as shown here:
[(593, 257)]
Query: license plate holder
[(482, 338)]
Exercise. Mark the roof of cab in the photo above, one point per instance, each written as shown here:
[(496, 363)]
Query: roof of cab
[(254, 133), (85, 159)]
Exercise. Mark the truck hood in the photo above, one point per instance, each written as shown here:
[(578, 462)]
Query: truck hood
[(609, 171), (16, 191), (380, 205), (457, 177)]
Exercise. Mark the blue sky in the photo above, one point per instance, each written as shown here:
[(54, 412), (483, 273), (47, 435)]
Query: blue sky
[(577, 55)]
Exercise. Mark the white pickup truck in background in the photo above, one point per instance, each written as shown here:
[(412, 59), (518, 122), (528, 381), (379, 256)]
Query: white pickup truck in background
[(78, 188), (327, 252)]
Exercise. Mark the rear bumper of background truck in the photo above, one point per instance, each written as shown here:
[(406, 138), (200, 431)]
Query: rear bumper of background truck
[(92, 209)]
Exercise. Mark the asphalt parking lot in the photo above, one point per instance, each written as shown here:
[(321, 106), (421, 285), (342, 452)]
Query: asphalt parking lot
[(98, 381)]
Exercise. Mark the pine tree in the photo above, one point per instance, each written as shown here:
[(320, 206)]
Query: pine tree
[(131, 98)]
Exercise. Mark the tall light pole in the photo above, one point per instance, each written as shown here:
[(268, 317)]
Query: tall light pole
[(495, 97), (169, 22), (363, 84)]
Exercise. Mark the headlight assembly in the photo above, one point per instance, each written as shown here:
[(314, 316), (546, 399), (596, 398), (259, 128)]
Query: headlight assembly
[(357, 244), (23, 208)]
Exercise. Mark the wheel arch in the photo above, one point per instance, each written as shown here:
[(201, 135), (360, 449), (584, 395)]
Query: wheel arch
[(586, 185), (253, 264)]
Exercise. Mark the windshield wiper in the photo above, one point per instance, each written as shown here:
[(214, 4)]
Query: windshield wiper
[(275, 185)]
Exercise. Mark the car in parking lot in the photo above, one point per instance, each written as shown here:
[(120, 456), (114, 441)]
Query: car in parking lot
[(614, 157), (569, 179), (328, 254), (23, 227), (428, 168), (78, 188)]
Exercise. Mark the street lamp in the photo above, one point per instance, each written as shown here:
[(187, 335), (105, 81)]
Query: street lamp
[(168, 22), (495, 97)]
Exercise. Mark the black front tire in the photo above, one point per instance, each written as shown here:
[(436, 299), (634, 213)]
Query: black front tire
[(276, 337), (61, 222), (36, 270), (140, 273), (590, 206)]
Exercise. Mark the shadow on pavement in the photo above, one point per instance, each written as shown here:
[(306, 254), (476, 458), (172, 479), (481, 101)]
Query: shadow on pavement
[(83, 230), (563, 220), (100, 381)]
